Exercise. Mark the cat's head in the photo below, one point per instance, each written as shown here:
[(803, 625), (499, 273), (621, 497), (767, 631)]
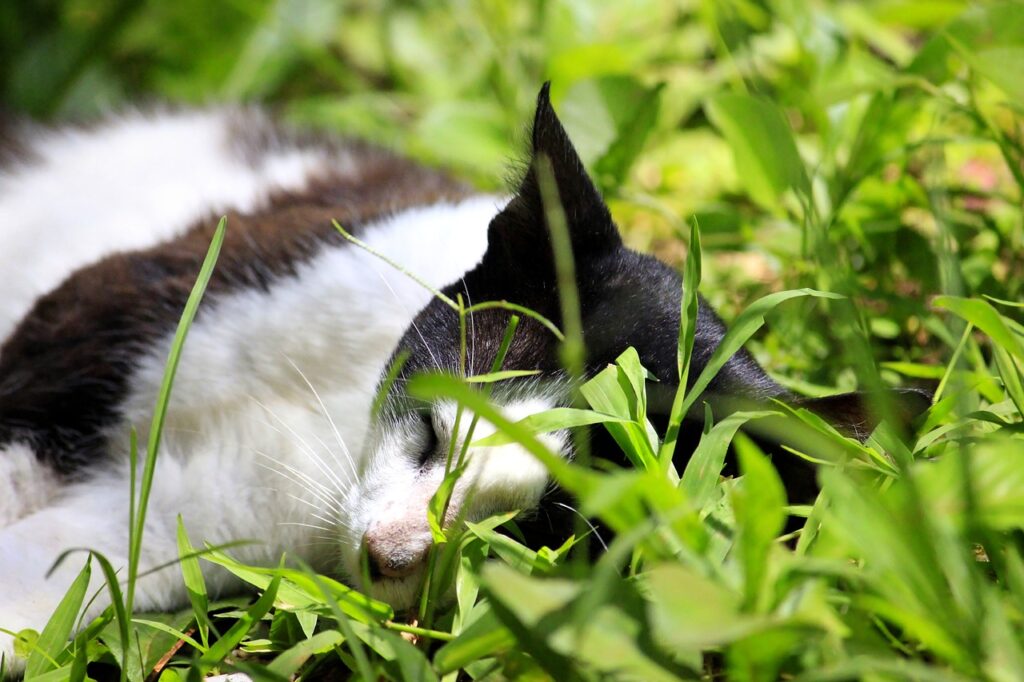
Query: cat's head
[(625, 299)]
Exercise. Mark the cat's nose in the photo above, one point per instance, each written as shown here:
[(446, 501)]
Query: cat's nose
[(395, 557)]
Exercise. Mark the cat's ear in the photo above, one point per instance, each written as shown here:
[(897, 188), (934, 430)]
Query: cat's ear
[(520, 232)]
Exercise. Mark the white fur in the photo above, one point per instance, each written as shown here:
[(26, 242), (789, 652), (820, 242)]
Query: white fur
[(127, 184)]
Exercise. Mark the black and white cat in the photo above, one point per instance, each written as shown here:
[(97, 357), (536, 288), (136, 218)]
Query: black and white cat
[(269, 435)]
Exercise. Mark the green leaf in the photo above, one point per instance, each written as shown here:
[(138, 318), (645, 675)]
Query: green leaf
[(986, 318), (597, 112), (492, 377), (486, 636), (766, 156), (1010, 373), (167, 629), (994, 468), (289, 661), (700, 477), (188, 314), (1004, 66), (555, 419), (25, 642), (438, 502), (613, 167), (233, 637), (745, 326), (759, 504), (615, 391), (194, 582), (690, 611), (520, 603), (438, 385), (983, 27), (406, 662), (54, 637), (124, 632), (467, 588), (300, 590), (512, 552), (689, 306)]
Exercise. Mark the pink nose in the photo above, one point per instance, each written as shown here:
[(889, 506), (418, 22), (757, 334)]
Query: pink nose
[(394, 557)]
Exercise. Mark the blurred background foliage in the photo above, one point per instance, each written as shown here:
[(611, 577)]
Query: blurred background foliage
[(904, 114), (905, 119)]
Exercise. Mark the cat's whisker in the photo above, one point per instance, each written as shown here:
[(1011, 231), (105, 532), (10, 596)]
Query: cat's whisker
[(308, 484), (319, 517), (330, 420), (321, 541), (315, 458), (472, 331), (335, 522), (593, 529), (303, 525)]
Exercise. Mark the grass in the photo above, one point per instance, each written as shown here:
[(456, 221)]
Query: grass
[(855, 170)]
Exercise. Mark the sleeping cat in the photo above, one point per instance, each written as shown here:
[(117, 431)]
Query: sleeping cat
[(269, 432)]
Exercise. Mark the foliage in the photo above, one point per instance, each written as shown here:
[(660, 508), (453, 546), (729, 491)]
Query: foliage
[(873, 150)]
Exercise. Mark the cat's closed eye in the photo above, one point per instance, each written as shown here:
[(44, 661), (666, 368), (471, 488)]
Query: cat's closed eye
[(427, 440)]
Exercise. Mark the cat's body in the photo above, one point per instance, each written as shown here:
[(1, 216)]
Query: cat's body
[(268, 434), (297, 325)]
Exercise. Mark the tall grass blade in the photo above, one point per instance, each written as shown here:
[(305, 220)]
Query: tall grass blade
[(54, 637), (162, 402)]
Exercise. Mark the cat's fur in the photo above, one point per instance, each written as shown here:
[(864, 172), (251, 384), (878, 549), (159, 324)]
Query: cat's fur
[(102, 231)]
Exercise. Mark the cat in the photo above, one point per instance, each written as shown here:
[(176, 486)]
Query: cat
[(269, 432)]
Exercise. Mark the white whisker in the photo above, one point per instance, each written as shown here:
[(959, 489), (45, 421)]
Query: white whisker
[(308, 484), (304, 525), (330, 420), (586, 521), (315, 458), (472, 331)]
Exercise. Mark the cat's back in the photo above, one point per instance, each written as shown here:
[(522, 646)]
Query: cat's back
[(71, 195)]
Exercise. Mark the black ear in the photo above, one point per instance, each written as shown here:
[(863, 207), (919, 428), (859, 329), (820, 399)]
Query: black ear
[(519, 234)]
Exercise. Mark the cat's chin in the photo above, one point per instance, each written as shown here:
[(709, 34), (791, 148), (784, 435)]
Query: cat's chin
[(402, 594)]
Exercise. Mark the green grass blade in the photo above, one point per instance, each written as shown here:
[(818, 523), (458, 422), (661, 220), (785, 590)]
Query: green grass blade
[(762, 144), (117, 604), (233, 637), (555, 419), (194, 583), (289, 661), (162, 402), (484, 637), (54, 637), (173, 632), (745, 326), (705, 465), (986, 318), (573, 353), (689, 305)]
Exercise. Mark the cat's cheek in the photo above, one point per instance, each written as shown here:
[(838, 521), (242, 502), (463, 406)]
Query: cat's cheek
[(504, 478)]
